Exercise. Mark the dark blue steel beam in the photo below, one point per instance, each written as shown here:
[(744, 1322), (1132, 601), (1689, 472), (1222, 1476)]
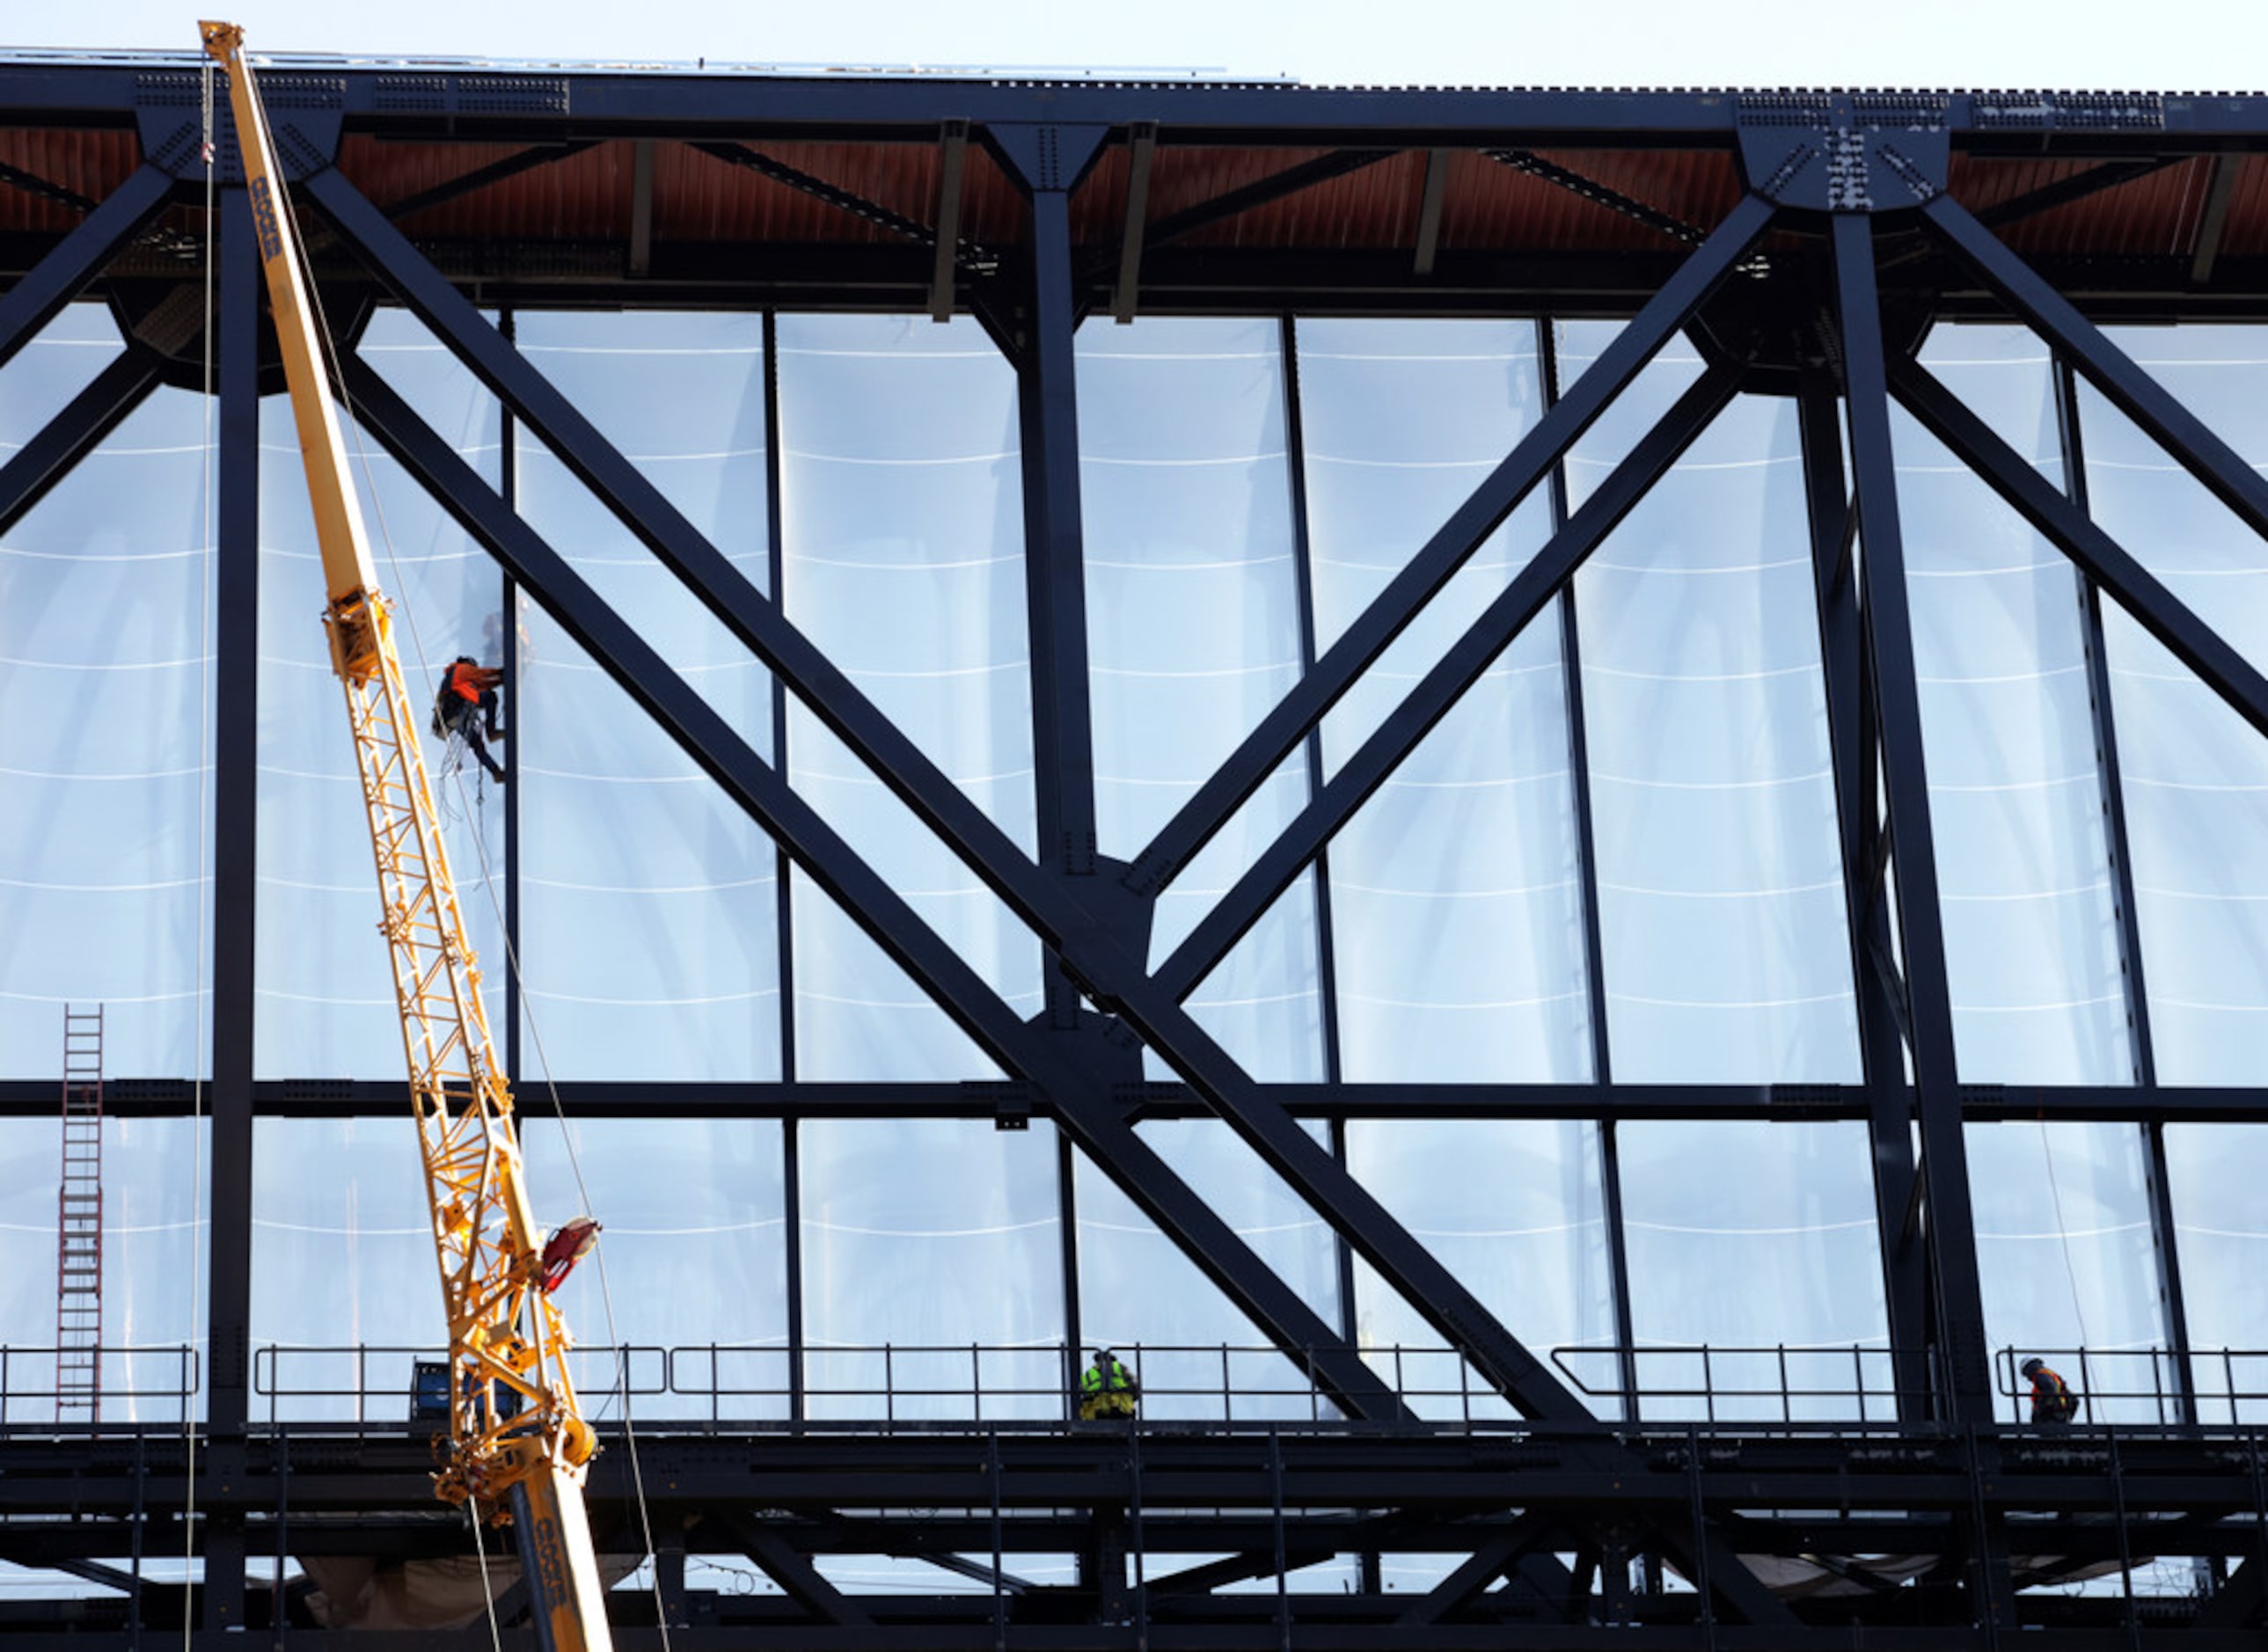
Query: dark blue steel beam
[(1391, 612), (1530, 592), (345, 1098), (2186, 437), (1055, 569), (64, 273), (2165, 1231), (73, 433), (236, 784), (1095, 953), (1952, 1232), (942, 807), (1850, 725), (1086, 1108), (2217, 663)]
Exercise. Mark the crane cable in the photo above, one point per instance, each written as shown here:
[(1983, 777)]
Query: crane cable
[(488, 1593), (208, 523), (2062, 1236), (511, 962)]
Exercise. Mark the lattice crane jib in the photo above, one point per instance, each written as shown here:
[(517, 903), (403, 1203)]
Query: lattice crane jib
[(78, 1224), (516, 1428)]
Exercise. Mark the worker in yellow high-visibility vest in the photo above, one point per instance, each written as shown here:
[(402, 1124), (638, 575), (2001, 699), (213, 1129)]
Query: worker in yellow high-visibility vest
[(1109, 1390)]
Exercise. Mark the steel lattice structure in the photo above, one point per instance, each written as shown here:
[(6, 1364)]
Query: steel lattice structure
[(1850, 221)]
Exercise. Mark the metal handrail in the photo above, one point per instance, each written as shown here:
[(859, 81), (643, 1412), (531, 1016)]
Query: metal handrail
[(393, 1389), (1871, 1401), (2101, 1381), (892, 1382), (187, 1375)]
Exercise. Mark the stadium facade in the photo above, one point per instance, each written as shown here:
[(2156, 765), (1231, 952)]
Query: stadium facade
[(1555, 796)]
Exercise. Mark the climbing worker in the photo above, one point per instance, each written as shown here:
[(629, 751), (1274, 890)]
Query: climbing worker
[(1109, 1390), (2053, 1401), (464, 701)]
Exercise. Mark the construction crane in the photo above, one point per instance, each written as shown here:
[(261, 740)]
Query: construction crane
[(517, 1437)]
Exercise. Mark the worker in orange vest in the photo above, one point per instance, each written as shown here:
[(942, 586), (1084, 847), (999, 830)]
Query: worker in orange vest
[(2052, 1400), (466, 701)]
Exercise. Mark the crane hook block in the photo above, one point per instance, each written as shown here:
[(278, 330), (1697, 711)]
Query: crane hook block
[(568, 1246)]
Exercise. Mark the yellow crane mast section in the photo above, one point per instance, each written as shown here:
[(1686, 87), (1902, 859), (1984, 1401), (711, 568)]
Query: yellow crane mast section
[(514, 1417)]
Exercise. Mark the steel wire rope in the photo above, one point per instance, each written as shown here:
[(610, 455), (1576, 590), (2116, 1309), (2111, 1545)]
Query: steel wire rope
[(488, 1589), (207, 520), (2063, 1238), (511, 959)]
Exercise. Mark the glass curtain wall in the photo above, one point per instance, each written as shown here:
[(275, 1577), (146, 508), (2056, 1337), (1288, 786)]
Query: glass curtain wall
[(651, 936), (1226, 482), (341, 1247), (2195, 783), (107, 687), (324, 987), (900, 496), (106, 855), (939, 1241), (2194, 776), (1455, 893), (1194, 632), (2018, 798), (1722, 911)]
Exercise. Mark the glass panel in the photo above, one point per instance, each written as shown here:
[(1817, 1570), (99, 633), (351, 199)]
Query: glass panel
[(324, 986), (1456, 900), (1196, 1354), (343, 1282), (932, 1270), (105, 692), (2066, 1262), (156, 1187), (1515, 1209), (1720, 887), (2031, 930), (57, 362), (651, 926), (1193, 622), (1758, 1240), (2194, 776), (901, 491), (2214, 1174), (694, 1259)]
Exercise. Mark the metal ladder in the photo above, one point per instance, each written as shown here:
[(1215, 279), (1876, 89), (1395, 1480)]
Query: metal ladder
[(79, 1247)]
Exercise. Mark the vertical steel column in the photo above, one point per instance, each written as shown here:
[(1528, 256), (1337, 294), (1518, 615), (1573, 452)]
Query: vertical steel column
[(784, 890), (1952, 1237), (236, 777), (1303, 575), (1051, 161), (508, 592), (1850, 725), (2166, 1247), (1055, 591), (1586, 873)]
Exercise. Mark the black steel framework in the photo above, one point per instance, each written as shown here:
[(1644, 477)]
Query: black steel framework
[(1815, 283)]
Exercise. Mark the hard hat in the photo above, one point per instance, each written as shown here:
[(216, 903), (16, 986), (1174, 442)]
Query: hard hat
[(2031, 1367)]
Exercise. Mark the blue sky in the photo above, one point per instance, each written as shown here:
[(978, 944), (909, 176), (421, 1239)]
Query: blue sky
[(2187, 45)]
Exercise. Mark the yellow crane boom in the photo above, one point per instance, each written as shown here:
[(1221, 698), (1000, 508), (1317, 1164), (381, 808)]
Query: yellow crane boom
[(517, 1435)]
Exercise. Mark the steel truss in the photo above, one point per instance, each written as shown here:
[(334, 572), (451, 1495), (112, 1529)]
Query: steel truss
[(1814, 283)]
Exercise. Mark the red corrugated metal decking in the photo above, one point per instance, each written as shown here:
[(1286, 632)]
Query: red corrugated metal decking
[(586, 196), (89, 164)]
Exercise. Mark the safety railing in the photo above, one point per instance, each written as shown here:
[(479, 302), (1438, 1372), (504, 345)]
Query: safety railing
[(2142, 1385), (1782, 1382), (140, 1383), (891, 1385), (363, 1384)]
